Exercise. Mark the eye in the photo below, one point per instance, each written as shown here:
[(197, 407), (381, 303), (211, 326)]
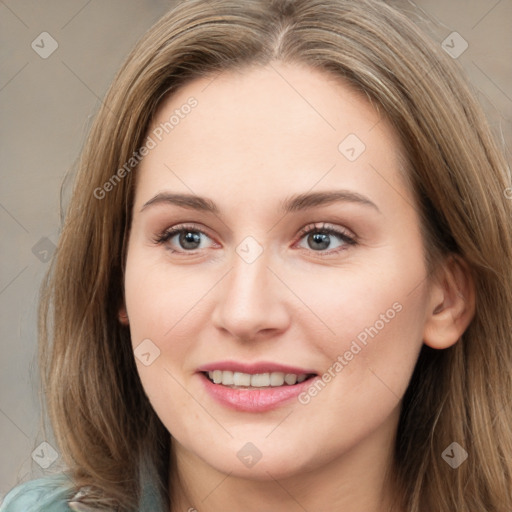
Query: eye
[(319, 238), (188, 238)]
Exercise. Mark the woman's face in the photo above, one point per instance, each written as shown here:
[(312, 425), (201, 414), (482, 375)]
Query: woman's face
[(257, 160)]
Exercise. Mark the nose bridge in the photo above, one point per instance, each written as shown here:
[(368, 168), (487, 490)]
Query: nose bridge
[(249, 278), (250, 299)]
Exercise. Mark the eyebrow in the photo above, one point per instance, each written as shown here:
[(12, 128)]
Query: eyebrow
[(293, 203), (315, 199)]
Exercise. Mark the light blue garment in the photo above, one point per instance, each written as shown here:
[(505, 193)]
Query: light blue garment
[(51, 494)]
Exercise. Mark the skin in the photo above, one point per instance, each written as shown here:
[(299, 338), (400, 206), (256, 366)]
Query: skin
[(256, 137)]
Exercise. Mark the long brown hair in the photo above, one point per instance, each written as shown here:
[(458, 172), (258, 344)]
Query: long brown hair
[(102, 419)]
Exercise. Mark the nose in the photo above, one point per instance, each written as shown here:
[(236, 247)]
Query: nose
[(251, 301)]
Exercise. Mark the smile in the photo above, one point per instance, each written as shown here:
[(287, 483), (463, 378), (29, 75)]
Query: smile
[(239, 380), (254, 387)]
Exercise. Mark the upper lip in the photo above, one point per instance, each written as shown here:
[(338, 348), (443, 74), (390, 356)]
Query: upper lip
[(254, 368)]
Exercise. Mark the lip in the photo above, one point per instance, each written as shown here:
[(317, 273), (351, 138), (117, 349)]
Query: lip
[(253, 368), (256, 399)]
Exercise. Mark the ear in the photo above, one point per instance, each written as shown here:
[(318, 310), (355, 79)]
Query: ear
[(123, 315), (451, 304)]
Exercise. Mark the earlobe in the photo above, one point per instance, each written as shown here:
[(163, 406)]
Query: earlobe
[(452, 304), (123, 316)]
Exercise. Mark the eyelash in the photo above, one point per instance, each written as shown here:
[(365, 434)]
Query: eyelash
[(343, 235)]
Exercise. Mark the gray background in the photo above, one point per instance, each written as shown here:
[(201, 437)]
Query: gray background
[(46, 106)]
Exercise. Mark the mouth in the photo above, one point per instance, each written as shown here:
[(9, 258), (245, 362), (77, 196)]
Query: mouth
[(254, 387), (241, 380)]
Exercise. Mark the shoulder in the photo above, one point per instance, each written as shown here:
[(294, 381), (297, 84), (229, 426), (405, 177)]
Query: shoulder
[(46, 494), (55, 493)]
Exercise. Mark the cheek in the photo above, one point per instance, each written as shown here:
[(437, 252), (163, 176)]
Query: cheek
[(160, 300), (364, 298), (377, 313), (373, 308), (166, 311), (367, 367), (161, 321)]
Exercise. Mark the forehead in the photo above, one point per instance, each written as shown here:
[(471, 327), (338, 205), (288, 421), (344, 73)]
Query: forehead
[(266, 129), (294, 98)]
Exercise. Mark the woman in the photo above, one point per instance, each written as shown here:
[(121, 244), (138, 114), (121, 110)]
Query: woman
[(284, 279)]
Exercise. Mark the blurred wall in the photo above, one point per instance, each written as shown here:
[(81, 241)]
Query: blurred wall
[(57, 59)]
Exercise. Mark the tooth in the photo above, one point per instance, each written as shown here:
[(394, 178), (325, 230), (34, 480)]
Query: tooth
[(260, 380), (290, 379), (276, 379), (227, 378), (241, 379)]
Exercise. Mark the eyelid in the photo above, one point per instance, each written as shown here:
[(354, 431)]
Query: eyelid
[(328, 228)]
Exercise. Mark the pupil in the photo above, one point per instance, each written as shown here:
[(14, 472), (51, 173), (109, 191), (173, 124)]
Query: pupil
[(322, 239)]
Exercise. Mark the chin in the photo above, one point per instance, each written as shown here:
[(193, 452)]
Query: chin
[(260, 460)]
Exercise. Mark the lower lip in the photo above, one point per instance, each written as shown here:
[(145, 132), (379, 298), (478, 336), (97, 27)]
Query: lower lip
[(255, 399)]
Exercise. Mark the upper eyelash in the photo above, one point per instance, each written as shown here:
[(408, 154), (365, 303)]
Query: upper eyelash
[(348, 239), (169, 232)]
